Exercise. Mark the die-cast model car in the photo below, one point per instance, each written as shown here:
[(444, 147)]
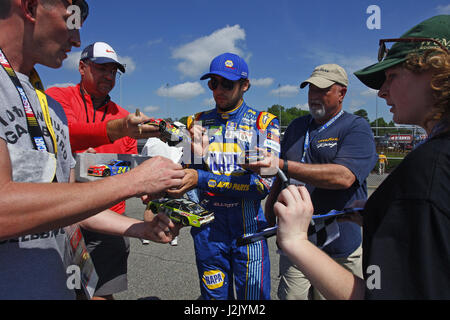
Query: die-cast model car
[(183, 211), (169, 132), (112, 168)]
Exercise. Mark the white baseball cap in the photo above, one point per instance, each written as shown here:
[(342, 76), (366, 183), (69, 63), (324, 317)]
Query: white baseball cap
[(101, 53)]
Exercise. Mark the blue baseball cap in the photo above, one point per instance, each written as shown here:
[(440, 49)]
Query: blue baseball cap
[(101, 53), (228, 65)]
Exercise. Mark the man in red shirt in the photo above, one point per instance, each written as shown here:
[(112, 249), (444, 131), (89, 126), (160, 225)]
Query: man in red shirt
[(97, 124)]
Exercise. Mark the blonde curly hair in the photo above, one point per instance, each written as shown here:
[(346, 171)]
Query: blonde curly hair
[(438, 62)]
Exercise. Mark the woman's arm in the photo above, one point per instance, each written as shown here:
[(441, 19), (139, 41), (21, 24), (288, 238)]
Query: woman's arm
[(294, 211)]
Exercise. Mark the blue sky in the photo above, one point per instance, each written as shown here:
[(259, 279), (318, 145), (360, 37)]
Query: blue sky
[(167, 45)]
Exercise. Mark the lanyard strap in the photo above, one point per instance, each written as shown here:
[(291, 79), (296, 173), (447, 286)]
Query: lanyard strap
[(105, 103), (33, 125), (323, 128), (39, 88)]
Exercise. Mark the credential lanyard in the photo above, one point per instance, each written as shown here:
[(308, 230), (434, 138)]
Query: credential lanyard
[(323, 128), (107, 99), (33, 125)]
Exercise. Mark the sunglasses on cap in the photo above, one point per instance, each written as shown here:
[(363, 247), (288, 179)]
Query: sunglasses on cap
[(383, 51), (226, 84)]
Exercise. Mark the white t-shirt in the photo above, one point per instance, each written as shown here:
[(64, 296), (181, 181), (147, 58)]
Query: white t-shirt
[(32, 266)]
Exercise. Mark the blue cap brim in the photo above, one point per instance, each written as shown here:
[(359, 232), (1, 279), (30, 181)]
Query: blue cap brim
[(103, 60), (225, 75)]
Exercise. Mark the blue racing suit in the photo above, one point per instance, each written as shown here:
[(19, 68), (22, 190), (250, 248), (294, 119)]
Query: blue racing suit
[(234, 195)]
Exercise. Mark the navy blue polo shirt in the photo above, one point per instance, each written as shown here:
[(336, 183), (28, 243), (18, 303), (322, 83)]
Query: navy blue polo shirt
[(349, 142)]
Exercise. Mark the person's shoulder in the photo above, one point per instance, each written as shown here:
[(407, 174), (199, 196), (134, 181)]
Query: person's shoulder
[(257, 111), (60, 90), (297, 128), (354, 118), (62, 94), (264, 119), (198, 117), (121, 110), (354, 122), (208, 114), (443, 137), (251, 109), (428, 168), (432, 158), (301, 121), (57, 108), (432, 150)]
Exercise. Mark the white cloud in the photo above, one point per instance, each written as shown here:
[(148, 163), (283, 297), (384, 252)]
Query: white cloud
[(304, 107), (129, 63), (349, 63), (154, 42), (443, 9), (369, 93), (356, 104), (196, 56), (210, 103), (263, 82), (286, 91), (147, 110), (73, 60), (150, 109), (184, 91)]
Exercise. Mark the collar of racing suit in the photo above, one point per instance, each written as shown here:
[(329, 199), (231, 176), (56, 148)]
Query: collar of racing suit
[(226, 115)]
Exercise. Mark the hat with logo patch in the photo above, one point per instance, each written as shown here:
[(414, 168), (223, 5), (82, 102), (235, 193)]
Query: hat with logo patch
[(228, 65), (101, 53), (326, 75), (429, 34)]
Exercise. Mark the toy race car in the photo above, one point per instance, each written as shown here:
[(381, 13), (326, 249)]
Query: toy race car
[(183, 211), (170, 133), (110, 169)]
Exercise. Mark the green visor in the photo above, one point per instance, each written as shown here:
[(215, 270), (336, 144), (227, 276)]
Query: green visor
[(373, 76), (437, 29)]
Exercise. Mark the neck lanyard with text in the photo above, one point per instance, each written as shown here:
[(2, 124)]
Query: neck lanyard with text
[(323, 128), (107, 99), (33, 125)]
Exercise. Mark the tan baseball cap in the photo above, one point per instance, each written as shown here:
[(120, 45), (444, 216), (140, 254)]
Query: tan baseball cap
[(326, 75)]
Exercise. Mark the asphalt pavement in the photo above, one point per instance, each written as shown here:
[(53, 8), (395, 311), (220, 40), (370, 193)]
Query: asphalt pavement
[(165, 272)]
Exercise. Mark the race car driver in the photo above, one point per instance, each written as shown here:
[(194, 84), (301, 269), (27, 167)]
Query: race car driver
[(232, 193)]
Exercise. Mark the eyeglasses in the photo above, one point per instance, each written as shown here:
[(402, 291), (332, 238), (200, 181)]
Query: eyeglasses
[(383, 51), (226, 84), (103, 68)]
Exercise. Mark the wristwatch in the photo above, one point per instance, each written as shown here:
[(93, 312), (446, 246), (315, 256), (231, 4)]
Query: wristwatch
[(285, 166)]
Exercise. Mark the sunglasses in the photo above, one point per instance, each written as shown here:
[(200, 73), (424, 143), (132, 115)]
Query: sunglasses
[(226, 84), (103, 68), (84, 8), (383, 51)]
